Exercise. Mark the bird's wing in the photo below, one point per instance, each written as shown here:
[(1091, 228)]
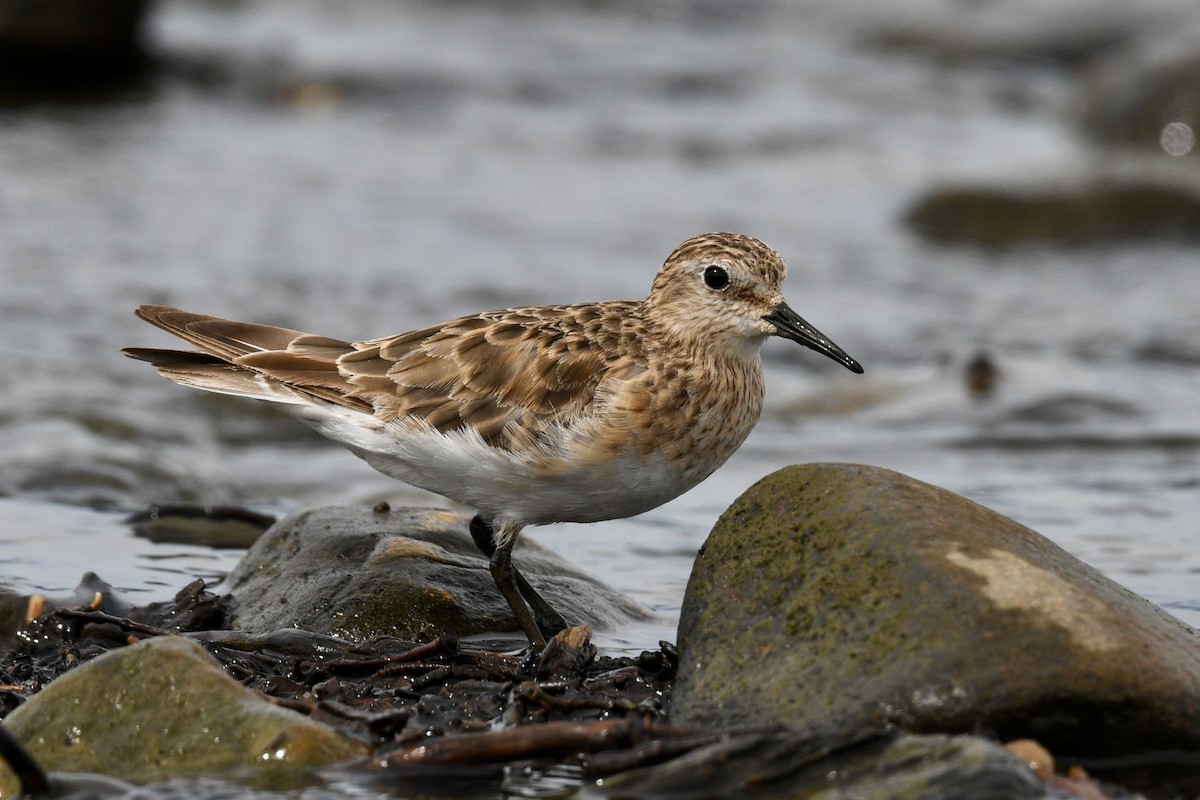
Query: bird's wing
[(507, 374)]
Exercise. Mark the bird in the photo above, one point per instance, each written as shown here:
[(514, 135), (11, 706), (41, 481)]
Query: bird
[(533, 415)]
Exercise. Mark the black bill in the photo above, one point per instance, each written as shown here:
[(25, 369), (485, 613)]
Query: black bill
[(791, 325)]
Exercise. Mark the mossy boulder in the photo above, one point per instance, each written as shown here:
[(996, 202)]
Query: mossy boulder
[(835, 599), (165, 708), (358, 574)]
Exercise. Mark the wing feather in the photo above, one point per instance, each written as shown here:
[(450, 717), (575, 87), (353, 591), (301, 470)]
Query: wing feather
[(221, 337), (509, 375)]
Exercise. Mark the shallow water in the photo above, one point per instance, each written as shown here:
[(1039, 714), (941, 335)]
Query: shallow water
[(362, 169)]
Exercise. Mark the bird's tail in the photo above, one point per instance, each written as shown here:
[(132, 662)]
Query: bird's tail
[(233, 354)]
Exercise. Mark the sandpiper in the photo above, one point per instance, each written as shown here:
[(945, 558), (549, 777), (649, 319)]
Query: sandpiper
[(530, 416)]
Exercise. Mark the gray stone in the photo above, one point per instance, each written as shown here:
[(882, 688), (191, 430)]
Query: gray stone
[(834, 599), (165, 708), (359, 574), (779, 766)]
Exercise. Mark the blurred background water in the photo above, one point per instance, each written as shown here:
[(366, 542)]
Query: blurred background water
[(939, 176)]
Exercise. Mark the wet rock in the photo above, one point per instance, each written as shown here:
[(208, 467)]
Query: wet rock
[(1071, 408), (1038, 32), (835, 599), (165, 708), (1089, 213), (786, 765), (210, 526), (72, 52), (69, 50), (357, 574), (70, 27), (1146, 95), (17, 608), (14, 611), (21, 776), (1176, 348)]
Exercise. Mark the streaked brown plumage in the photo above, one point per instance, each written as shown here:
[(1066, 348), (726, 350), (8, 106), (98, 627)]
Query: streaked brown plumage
[(531, 415)]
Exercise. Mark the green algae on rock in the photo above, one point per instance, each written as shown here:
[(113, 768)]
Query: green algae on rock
[(165, 708), (835, 598)]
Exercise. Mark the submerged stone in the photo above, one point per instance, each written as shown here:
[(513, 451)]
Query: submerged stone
[(787, 765), (358, 574), (206, 525), (836, 599), (1093, 212), (1038, 33), (165, 708)]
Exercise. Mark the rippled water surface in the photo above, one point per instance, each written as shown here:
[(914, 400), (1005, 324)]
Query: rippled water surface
[(358, 169)]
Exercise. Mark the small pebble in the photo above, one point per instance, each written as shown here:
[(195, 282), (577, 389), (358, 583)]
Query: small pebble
[(1033, 754), (981, 376)]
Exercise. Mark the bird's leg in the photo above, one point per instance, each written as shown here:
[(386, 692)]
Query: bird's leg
[(546, 620), (503, 574)]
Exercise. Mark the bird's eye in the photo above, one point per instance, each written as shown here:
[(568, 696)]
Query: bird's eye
[(716, 278)]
